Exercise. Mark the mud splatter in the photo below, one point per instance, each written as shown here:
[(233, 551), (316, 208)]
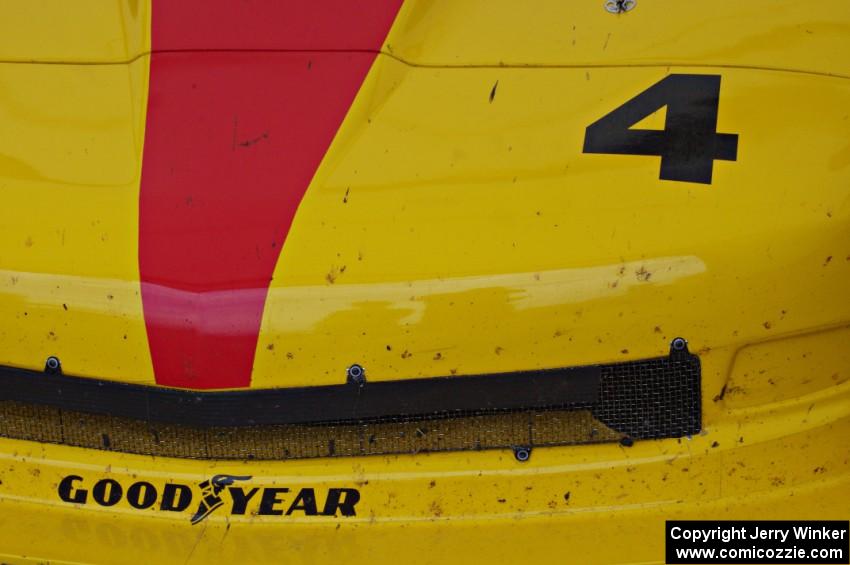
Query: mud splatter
[(643, 275)]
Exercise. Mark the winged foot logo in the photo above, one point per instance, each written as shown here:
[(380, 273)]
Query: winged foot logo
[(210, 494)]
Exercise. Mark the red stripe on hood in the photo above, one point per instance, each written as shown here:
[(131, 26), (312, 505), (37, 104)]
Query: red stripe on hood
[(271, 24), (232, 141)]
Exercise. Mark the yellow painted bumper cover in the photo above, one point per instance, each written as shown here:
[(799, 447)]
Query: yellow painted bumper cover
[(598, 503)]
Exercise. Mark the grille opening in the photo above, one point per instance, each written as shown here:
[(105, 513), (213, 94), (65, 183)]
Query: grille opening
[(649, 399)]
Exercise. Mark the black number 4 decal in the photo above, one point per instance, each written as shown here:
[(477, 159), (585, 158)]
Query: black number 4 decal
[(689, 142)]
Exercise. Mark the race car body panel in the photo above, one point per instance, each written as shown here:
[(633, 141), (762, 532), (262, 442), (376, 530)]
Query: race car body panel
[(220, 198), (456, 191), (599, 503), (783, 35)]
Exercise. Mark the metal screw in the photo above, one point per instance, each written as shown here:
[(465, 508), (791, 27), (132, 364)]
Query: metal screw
[(356, 374), (679, 344), (522, 454), (52, 365), (619, 6), (626, 441)]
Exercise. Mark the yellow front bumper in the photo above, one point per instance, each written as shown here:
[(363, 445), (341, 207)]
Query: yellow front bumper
[(596, 503)]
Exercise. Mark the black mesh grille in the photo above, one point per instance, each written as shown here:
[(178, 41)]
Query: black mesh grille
[(651, 399), (656, 398)]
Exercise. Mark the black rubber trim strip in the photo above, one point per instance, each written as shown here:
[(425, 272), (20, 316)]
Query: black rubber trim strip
[(572, 387)]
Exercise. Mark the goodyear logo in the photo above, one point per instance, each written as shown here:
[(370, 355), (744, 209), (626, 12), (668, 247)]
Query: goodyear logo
[(230, 491)]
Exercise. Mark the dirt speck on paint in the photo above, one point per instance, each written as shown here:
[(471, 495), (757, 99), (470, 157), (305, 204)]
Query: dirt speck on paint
[(334, 273), (643, 275)]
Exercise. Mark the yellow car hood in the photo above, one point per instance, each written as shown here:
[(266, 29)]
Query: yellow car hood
[(451, 219)]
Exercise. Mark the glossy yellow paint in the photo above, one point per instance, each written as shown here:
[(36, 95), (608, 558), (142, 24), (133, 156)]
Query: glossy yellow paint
[(602, 503), (442, 222), (504, 247), (785, 34), (83, 31), (788, 368), (70, 160)]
